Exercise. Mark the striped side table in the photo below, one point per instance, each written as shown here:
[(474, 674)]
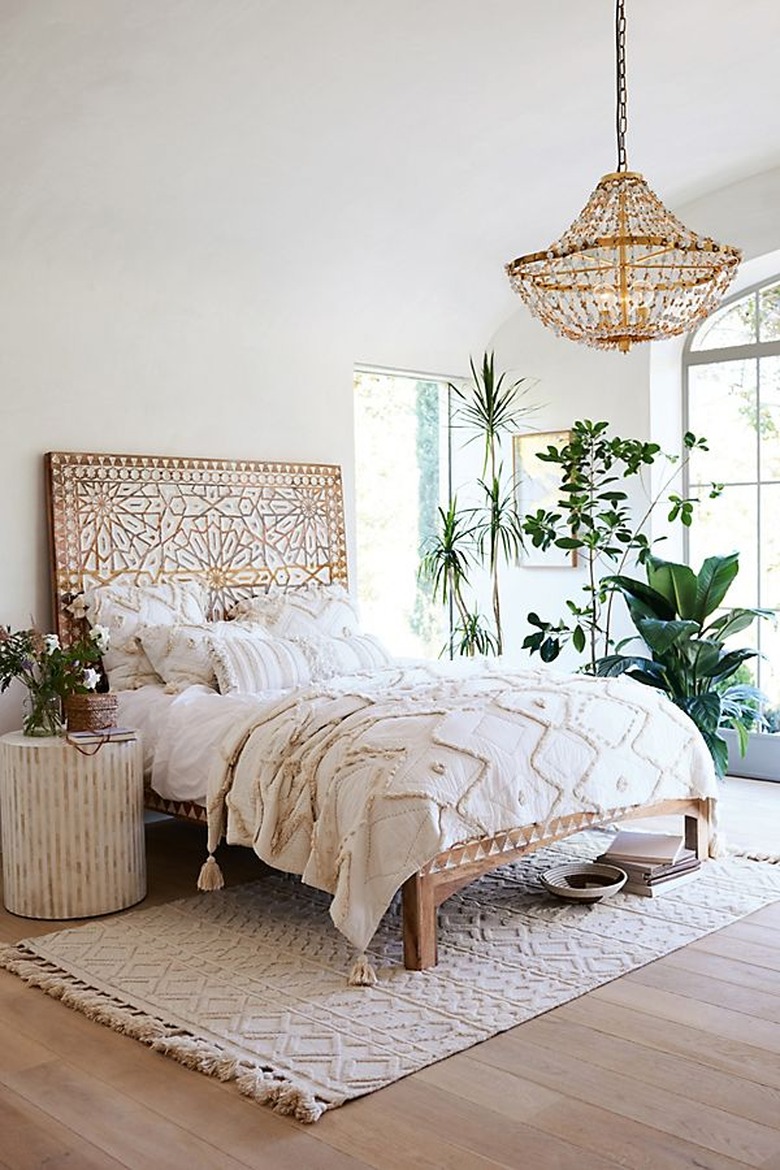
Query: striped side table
[(72, 827)]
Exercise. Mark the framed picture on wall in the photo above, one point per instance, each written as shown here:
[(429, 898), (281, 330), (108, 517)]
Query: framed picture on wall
[(536, 484)]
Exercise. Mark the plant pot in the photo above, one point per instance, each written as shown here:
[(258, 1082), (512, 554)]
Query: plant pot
[(93, 712), (761, 761)]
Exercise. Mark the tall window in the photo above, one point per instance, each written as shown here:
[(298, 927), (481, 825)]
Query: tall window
[(732, 388), (401, 478)]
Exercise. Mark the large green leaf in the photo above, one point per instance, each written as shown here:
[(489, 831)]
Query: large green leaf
[(719, 750), (734, 621), (676, 583), (704, 657), (712, 583), (648, 601), (704, 710), (729, 663), (644, 670), (661, 637)]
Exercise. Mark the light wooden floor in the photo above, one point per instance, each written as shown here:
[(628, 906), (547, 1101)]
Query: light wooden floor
[(676, 1065)]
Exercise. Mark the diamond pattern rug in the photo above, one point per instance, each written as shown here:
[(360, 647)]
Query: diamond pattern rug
[(250, 983)]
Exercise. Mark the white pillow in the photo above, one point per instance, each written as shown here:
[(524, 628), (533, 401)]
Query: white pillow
[(180, 654), (300, 613), (247, 660), (328, 657), (126, 609)]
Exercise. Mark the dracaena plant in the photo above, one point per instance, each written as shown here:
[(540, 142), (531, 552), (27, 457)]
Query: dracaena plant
[(683, 630), (488, 534)]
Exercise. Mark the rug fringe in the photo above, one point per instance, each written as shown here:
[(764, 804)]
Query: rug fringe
[(755, 855), (284, 1096), (259, 1082)]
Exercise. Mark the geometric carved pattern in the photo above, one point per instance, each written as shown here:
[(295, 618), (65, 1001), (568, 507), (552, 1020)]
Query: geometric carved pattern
[(238, 526)]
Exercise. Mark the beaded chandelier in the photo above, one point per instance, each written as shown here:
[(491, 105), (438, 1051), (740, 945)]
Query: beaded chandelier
[(627, 270)]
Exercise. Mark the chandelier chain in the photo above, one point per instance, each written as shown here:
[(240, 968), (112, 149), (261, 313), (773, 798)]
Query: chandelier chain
[(621, 117), (627, 270)]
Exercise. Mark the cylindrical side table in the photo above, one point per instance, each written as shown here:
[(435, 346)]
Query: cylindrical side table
[(72, 826)]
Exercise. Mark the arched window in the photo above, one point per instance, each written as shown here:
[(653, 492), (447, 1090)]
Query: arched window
[(732, 398)]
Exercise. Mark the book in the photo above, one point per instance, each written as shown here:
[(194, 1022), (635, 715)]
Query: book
[(654, 889), (106, 734), (647, 848), (641, 871)]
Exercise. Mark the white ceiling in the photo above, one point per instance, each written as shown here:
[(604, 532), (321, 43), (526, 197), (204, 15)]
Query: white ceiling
[(387, 155)]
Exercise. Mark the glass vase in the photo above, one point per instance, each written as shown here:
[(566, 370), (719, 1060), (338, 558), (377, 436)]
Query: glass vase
[(42, 714)]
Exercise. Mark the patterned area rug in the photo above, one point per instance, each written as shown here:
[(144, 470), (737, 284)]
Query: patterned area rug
[(249, 984)]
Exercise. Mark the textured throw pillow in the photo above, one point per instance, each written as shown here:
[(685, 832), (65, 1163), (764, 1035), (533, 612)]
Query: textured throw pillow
[(180, 654), (329, 657), (247, 660), (300, 613), (126, 609)]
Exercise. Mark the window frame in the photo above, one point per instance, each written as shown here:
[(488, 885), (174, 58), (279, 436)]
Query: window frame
[(752, 351)]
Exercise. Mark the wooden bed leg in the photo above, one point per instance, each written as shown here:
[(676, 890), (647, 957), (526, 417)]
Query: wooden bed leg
[(698, 829), (419, 923)]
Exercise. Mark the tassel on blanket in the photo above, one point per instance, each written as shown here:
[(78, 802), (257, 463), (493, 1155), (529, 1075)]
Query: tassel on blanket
[(362, 974), (210, 877)]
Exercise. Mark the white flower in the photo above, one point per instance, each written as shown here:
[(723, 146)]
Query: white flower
[(101, 637), (78, 607), (91, 678), (50, 643)]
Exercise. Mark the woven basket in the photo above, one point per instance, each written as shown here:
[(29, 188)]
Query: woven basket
[(90, 712)]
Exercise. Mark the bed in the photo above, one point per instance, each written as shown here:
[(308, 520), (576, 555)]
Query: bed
[(269, 536)]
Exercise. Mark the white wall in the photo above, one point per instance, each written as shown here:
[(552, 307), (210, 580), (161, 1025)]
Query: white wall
[(192, 259)]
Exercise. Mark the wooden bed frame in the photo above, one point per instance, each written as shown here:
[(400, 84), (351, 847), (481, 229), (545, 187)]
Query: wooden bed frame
[(242, 527)]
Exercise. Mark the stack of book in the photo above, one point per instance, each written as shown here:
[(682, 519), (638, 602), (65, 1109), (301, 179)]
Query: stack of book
[(654, 862)]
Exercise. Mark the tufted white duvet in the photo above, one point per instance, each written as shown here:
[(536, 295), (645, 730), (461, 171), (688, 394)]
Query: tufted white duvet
[(358, 783)]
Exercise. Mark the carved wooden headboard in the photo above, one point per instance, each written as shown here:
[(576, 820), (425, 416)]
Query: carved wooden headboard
[(238, 526)]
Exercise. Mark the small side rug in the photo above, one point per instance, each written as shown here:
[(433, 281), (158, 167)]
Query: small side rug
[(249, 984)]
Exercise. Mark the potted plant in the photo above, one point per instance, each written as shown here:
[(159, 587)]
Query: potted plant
[(679, 618), (50, 672), (593, 516), (487, 534)]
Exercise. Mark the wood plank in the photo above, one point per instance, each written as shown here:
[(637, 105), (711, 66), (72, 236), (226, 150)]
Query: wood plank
[(507, 1093), (740, 1060), (706, 965), (377, 1129), (674, 1072), (426, 1110), (117, 1125), (592, 1129), (633, 1145), (32, 1140), (678, 1009), (763, 1005), (735, 946), (218, 1114), (703, 1125)]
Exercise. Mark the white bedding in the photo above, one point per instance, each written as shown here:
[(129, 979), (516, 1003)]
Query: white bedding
[(179, 733), (356, 783)]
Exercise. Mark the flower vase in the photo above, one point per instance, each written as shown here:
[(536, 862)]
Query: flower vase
[(43, 714)]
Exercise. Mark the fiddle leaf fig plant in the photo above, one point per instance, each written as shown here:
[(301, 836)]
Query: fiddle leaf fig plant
[(683, 651), (594, 518)]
